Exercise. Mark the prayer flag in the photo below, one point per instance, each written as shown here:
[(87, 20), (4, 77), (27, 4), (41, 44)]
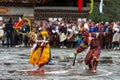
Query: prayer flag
[(91, 6), (18, 24), (79, 5), (101, 6)]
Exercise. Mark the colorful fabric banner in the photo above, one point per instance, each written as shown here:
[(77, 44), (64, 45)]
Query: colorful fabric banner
[(80, 5), (101, 6), (18, 24), (91, 6)]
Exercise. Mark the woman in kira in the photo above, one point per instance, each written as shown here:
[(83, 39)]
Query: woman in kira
[(40, 52)]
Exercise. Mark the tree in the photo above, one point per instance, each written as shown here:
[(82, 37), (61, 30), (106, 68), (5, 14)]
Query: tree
[(111, 10)]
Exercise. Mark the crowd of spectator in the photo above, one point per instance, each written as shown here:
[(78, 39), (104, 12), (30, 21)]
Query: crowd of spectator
[(64, 34)]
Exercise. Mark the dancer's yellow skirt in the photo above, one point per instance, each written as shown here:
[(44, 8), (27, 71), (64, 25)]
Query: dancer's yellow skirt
[(40, 58)]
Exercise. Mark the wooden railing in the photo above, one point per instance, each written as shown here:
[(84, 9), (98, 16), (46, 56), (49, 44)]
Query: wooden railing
[(62, 12)]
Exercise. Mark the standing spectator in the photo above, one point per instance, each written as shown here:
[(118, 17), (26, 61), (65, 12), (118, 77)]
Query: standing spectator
[(92, 28), (63, 37), (108, 35), (101, 35), (9, 32), (25, 29), (116, 38), (116, 35)]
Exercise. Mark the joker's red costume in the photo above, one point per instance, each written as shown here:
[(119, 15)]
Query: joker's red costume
[(90, 40)]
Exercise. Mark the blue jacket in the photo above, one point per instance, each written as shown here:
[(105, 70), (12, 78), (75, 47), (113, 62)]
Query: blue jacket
[(92, 29)]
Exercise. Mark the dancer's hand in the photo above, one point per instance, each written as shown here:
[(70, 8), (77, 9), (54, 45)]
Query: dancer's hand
[(75, 53)]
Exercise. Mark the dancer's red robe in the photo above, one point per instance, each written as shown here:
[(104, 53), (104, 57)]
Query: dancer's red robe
[(94, 50)]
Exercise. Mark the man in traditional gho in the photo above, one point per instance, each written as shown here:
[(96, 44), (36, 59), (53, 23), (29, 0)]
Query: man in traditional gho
[(25, 29), (54, 35), (116, 36), (40, 52), (63, 35), (9, 32), (92, 58), (92, 27)]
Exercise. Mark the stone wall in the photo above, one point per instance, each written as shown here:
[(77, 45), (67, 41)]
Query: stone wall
[(25, 11)]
